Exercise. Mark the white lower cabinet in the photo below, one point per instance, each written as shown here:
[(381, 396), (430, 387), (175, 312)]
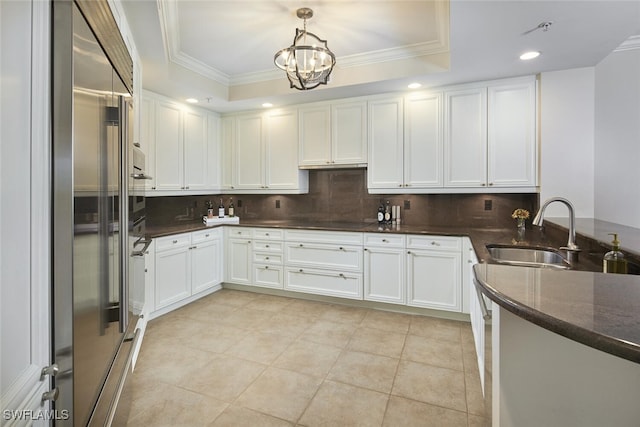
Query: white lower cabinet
[(186, 264), (384, 268), (268, 249), (434, 267), (324, 263), (324, 282), (239, 261)]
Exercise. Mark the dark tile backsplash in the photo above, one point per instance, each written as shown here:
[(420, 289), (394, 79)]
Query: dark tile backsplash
[(341, 195)]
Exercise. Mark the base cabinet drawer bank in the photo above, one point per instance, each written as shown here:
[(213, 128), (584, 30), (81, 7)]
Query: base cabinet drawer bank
[(415, 270)]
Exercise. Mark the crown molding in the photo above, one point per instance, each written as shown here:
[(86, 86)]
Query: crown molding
[(169, 25), (631, 43)]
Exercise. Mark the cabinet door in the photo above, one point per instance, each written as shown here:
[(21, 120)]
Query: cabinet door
[(465, 136), (512, 135), (205, 265), (268, 276), (385, 168), (315, 134), (228, 136), (169, 147), (248, 152), (173, 282), (147, 140), (281, 150), (433, 279), (349, 133), (214, 163), (239, 261), (195, 150), (423, 141), (384, 270)]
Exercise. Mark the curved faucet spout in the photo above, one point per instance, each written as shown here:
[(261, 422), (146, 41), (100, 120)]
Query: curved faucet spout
[(539, 220)]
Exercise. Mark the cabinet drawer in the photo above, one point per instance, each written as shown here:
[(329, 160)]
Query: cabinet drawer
[(267, 258), (441, 243), (268, 234), (268, 276), (344, 238), (204, 236), (172, 242), (267, 246), (240, 232), (384, 240), (318, 255), (322, 282)]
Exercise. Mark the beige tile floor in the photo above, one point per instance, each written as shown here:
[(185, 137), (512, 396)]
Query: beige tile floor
[(245, 359)]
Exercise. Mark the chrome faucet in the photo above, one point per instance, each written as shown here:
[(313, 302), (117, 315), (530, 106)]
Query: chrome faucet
[(539, 219)]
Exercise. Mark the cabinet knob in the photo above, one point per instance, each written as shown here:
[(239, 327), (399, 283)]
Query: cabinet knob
[(301, 271), (206, 235), (435, 244), (266, 234), (341, 248), (266, 246), (366, 249), (384, 240), (266, 258), (409, 252), (301, 245), (483, 184), (153, 188), (341, 275), (491, 183), (175, 241), (266, 267), (400, 185)]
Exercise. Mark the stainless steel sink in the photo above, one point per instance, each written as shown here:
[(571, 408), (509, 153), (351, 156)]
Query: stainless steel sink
[(527, 256)]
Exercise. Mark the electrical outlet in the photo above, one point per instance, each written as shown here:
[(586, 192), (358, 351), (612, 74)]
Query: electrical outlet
[(239, 203), (277, 204), (407, 205), (488, 205)]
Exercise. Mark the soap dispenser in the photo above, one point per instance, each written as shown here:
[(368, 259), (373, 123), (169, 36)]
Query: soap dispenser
[(614, 261)]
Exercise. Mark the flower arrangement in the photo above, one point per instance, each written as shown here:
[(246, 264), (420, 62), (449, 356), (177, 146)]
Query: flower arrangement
[(520, 214)]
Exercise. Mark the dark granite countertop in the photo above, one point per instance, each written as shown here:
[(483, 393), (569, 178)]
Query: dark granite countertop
[(596, 309)]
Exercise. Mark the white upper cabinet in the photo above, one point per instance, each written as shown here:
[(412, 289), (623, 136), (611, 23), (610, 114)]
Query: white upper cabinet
[(349, 133), (281, 154), (315, 136), (195, 150), (333, 134), (169, 147), (423, 141), (465, 137), (478, 137), (386, 135), (182, 147), (262, 149), (249, 168), (512, 148)]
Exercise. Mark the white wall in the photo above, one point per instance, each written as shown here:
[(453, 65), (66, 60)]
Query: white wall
[(617, 138), (567, 140)]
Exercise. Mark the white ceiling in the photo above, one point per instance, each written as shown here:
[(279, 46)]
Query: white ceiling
[(221, 51)]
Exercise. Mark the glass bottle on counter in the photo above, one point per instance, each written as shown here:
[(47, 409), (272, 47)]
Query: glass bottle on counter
[(380, 214), (232, 210), (387, 213), (221, 210)]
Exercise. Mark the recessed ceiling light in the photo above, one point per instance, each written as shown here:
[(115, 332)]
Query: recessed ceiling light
[(529, 55), (414, 85), (267, 105), (192, 100)]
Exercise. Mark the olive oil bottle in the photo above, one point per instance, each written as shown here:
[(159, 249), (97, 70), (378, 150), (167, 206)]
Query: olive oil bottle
[(614, 261)]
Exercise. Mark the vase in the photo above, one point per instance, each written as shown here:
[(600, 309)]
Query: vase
[(521, 223)]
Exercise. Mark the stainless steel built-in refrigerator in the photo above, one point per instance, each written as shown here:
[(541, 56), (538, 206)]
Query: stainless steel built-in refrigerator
[(93, 328)]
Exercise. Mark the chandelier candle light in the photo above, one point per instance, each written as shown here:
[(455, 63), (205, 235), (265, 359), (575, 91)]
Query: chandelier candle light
[(308, 62)]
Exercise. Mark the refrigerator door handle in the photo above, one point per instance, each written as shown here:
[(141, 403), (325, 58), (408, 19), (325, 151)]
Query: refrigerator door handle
[(140, 176)]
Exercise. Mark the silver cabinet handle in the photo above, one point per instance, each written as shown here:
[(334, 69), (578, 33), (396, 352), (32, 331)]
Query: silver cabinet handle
[(435, 244), (141, 176), (142, 251), (50, 395), (49, 370), (486, 313)]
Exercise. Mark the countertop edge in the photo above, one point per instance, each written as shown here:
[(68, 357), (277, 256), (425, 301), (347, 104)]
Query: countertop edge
[(605, 343)]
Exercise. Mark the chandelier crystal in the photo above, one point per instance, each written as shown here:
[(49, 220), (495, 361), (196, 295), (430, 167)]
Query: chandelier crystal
[(308, 62)]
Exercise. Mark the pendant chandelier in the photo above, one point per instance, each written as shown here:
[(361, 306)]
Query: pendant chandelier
[(308, 62)]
